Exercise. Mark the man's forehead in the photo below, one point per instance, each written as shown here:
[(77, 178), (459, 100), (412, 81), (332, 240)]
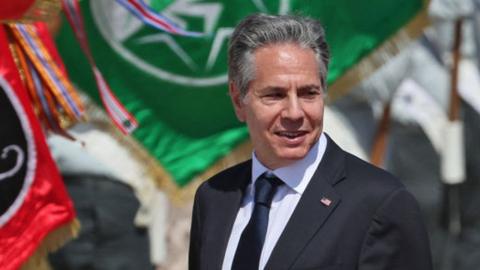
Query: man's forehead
[(284, 59), (281, 44)]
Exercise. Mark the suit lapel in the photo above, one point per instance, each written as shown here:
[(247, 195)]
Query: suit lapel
[(315, 206), (226, 204)]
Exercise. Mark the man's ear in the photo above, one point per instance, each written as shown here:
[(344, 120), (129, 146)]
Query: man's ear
[(237, 101)]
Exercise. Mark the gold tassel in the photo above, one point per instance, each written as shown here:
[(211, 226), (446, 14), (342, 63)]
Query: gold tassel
[(54, 240)]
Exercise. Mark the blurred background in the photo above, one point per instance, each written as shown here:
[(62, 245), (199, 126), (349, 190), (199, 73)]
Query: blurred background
[(149, 82)]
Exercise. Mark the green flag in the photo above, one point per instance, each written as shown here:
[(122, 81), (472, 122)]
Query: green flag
[(177, 86)]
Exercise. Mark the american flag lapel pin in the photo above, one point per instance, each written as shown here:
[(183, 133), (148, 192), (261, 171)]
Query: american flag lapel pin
[(326, 201)]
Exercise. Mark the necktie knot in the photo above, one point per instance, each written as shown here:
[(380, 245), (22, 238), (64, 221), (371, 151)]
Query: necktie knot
[(265, 188)]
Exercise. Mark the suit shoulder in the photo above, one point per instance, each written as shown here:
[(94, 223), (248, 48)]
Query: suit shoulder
[(234, 170), (230, 178), (357, 172), (371, 189), (370, 172), (366, 184)]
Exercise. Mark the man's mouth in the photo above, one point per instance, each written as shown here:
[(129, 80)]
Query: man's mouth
[(291, 134)]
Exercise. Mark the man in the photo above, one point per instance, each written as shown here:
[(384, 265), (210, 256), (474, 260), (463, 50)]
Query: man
[(301, 202)]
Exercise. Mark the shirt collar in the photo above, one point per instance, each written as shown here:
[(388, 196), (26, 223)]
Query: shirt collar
[(298, 174)]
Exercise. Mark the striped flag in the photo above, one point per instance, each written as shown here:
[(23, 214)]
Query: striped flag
[(55, 79), (155, 19), (118, 113)]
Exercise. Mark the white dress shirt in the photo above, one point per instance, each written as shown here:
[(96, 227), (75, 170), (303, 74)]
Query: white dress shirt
[(296, 178)]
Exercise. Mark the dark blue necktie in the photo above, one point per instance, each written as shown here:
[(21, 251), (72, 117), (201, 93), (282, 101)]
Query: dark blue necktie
[(249, 249)]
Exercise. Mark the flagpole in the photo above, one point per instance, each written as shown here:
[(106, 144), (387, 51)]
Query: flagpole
[(452, 158), (380, 140), (454, 110), (453, 190)]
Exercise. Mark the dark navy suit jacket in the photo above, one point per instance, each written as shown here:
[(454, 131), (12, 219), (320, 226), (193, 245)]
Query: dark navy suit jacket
[(372, 222)]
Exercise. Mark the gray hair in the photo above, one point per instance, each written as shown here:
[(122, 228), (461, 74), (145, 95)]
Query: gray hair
[(259, 30)]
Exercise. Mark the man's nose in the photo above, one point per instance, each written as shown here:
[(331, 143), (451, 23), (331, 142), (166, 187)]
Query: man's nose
[(293, 109)]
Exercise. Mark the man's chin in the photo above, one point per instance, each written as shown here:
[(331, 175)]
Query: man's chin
[(288, 157)]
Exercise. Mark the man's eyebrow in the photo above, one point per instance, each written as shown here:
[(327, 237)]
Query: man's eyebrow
[(281, 88), (271, 88), (310, 87)]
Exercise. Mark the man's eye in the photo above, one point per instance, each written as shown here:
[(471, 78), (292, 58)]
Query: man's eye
[(273, 96), (311, 94)]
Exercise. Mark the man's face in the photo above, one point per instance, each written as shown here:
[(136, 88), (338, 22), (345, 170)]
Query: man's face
[(283, 107)]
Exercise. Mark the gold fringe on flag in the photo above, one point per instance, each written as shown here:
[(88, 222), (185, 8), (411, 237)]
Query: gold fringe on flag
[(54, 240), (153, 168), (381, 55)]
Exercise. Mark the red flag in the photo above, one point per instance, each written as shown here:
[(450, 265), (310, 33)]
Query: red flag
[(35, 210), (14, 10)]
